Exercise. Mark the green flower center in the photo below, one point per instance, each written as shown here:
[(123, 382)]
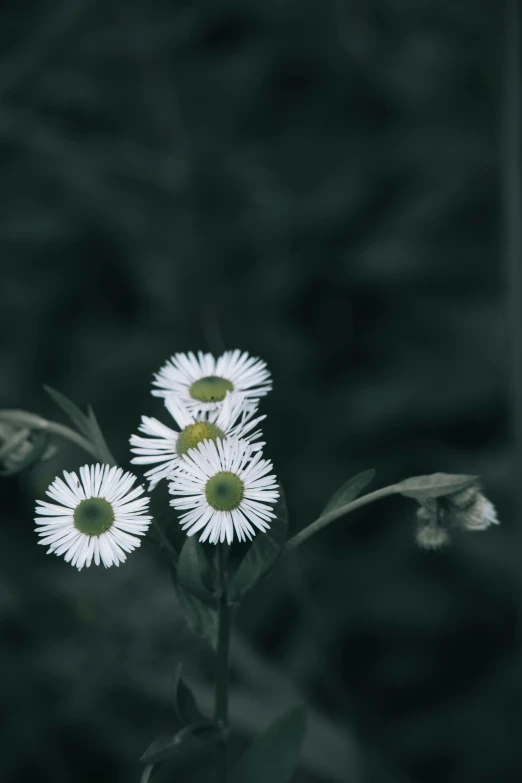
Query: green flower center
[(224, 491), (93, 516), (196, 433), (212, 388)]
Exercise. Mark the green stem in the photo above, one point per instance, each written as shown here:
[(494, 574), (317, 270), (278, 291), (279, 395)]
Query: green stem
[(34, 422), (324, 520), (164, 541), (221, 705)]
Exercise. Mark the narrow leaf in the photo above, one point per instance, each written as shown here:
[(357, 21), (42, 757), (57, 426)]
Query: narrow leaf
[(78, 418), (191, 568), (184, 701), (146, 775), (433, 486), (96, 436), (201, 618), (273, 756), (348, 491), (192, 741), (262, 553)]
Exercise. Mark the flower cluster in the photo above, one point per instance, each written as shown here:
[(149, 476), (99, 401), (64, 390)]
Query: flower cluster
[(209, 453)]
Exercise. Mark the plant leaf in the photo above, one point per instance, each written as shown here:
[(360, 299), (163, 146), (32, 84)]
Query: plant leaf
[(86, 425), (273, 756), (184, 701), (434, 485), (201, 618), (348, 491), (96, 436), (192, 565), (191, 741), (78, 418), (262, 553), (147, 773)]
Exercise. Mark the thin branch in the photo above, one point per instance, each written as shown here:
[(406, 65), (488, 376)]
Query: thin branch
[(34, 422), (324, 520)]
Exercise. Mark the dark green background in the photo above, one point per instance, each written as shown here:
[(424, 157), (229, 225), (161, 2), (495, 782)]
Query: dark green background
[(316, 183)]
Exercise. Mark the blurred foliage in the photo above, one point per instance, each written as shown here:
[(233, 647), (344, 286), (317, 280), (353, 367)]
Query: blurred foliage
[(315, 183)]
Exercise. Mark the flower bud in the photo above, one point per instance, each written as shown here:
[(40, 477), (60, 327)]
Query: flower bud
[(430, 534)]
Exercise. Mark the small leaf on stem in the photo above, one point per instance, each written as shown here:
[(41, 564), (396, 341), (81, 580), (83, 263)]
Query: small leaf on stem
[(191, 741), (273, 756), (262, 553), (193, 568), (98, 440), (434, 485), (201, 618), (78, 418), (184, 701), (348, 491)]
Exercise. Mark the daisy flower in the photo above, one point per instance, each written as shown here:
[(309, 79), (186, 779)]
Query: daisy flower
[(165, 446), (202, 382), (224, 486), (96, 517)]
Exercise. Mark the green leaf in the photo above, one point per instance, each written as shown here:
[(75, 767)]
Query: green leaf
[(201, 618), (262, 553), (184, 701), (86, 425), (348, 491), (191, 741), (96, 436), (273, 756), (146, 775), (433, 486), (192, 569), (78, 418)]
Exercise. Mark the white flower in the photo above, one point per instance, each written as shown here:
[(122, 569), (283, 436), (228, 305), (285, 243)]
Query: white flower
[(202, 382), (98, 517), (472, 510), (224, 486), (165, 445)]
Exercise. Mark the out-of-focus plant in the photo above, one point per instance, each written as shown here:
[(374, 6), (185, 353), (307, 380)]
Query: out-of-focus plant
[(224, 491)]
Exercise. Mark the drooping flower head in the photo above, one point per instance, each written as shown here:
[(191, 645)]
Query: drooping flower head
[(471, 510), (96, 517), (430, 533), (165, 446), (202, 382), (466, 509), (224, 488)]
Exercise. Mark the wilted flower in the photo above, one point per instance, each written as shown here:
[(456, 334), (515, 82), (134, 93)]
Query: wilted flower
[(224, 486), (467, 509), (471, 510), (98, 517), (165, 446), (430, 534), (202, 382)]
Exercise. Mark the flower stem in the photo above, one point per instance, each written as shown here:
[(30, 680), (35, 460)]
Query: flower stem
[(221, 705), (325, 519), (34, 422)]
